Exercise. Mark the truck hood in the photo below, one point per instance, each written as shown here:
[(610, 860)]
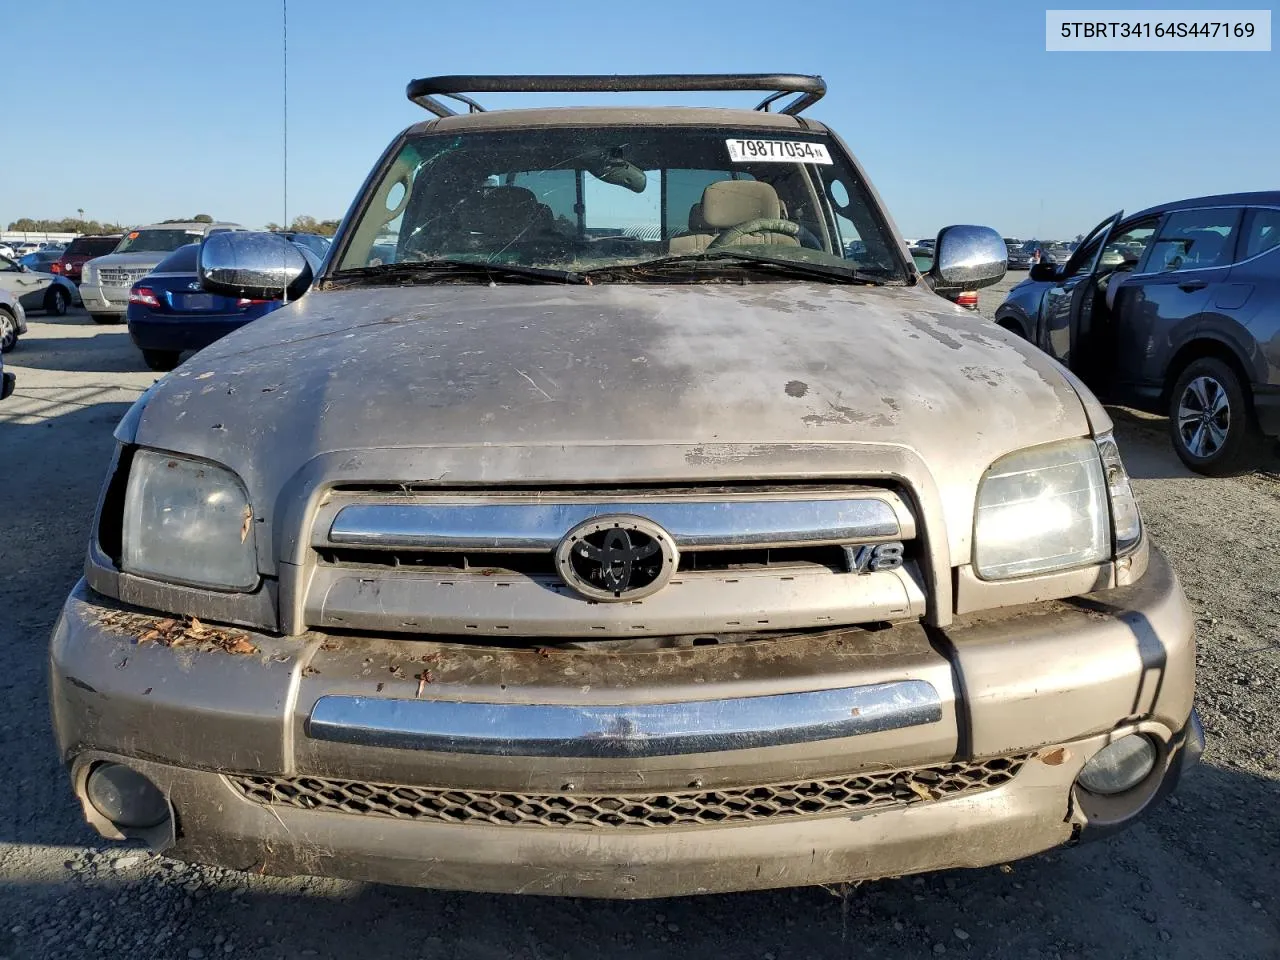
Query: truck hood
[(610, 384)]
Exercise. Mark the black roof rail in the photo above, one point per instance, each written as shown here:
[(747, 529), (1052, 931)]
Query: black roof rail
[(808, 89)]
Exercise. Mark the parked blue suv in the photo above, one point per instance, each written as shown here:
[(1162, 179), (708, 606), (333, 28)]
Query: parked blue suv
[(1175, 310)]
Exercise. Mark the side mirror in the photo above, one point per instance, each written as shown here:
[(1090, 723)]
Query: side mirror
[(260, 266), (1044, 271), (967, 258)]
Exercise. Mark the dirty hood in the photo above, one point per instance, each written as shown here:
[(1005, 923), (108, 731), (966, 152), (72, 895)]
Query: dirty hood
[(609, 384)]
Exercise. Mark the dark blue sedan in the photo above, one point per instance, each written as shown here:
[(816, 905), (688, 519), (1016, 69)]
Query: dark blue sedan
[(168, 311)]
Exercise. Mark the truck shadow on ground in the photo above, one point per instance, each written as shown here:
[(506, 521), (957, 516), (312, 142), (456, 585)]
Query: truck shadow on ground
[(107, 352)]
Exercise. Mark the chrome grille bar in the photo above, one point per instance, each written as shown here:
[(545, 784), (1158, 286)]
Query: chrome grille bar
[(643, 730), (724, 523)]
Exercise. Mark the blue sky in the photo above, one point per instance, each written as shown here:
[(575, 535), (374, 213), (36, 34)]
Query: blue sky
[(143, 109)]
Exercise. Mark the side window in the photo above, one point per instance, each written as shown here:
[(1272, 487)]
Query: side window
[(1194, 240), (1261, 232), (7, 265), (1125, 249)]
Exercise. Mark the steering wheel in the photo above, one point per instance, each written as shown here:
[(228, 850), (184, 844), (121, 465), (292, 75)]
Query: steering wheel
[(761, 225)]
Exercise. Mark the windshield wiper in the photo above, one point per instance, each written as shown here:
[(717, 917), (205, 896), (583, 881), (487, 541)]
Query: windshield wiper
[(662, 266), (447, 268)]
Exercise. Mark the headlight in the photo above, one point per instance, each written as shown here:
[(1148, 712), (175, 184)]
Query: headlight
[(189, 522), (1040, 510)]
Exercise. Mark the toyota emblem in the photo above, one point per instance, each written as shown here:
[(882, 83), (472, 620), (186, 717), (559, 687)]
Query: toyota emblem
[(617, 558)]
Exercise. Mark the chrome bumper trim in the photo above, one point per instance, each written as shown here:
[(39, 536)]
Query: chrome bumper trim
[(723, 523), (645, 730)]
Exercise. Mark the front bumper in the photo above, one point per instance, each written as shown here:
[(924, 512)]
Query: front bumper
[(101, 299), (1044, 686)]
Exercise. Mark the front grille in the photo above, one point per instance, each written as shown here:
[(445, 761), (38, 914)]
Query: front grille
[(121, 276), (806, 798)]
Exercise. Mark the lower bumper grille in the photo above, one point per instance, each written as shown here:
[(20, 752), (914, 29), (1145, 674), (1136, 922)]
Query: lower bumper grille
[(807, 798)]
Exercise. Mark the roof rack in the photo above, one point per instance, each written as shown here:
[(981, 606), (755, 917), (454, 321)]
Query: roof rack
[(808, 89)]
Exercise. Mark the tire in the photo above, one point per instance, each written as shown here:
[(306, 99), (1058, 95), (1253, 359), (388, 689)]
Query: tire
[(107, 318), (1013, 326), (8, 330), (1211, 419), (57, 302), (161, 361)]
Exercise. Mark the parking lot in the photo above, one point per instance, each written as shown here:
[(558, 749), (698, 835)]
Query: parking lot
[(1196, 879)]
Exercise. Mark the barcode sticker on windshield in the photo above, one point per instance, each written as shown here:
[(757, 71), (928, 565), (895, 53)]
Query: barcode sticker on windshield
[(777, 151)]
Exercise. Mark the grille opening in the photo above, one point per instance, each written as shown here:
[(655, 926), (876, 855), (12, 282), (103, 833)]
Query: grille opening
[(806, 798), (542, 564)]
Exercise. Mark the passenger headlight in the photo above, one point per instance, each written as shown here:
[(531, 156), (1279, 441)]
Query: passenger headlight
[(189, 522), (1042, 509)]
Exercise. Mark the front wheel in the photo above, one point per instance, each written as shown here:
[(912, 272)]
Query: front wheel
[(160, 360), (56, 302), (1210, 419), (8, 330)]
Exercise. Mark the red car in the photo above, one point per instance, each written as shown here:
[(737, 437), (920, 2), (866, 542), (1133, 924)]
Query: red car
[(80, 251)]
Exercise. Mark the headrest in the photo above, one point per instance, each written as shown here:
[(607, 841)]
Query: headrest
[(731, 202)]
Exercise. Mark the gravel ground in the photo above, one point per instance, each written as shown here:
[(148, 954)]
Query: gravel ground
[(1195, 879)]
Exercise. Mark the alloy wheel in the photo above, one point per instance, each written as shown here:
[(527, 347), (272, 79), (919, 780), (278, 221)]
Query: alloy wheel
[(1204, 416), (8, 331)]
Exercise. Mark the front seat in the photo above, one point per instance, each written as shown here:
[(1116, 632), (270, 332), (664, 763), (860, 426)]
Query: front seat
[(728, 203), (511, 213)]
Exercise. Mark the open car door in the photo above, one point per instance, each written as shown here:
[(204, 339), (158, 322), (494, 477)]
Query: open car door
[(1066, 332)]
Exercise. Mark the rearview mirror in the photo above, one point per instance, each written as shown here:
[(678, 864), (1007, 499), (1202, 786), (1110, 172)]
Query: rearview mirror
[(966, 257), (260, 266)]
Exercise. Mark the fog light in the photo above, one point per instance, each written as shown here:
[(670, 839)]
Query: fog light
[(125, 797), (1119, 766)]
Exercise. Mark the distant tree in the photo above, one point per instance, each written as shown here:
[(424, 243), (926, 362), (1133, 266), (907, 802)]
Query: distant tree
[(65, 225), (202, 218), (308, 224), (273, 227)]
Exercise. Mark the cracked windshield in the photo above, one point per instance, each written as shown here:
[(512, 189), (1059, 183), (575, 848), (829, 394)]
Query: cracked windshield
[(586, 199)]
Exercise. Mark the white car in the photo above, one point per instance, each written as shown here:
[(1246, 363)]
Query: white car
[(36, 290)]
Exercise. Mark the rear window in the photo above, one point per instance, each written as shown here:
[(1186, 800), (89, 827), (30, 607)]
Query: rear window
[(93, 246), (157, 241), (182, 260)]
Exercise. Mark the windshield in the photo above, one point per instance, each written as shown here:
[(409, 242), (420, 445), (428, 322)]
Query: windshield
[(157, 241), (581, 199), (92, 246)]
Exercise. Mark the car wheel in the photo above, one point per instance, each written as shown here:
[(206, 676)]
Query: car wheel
[(106, 317), (8, 330), (1211, 419), (160, 360), (1013, 326), (57, 302)]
